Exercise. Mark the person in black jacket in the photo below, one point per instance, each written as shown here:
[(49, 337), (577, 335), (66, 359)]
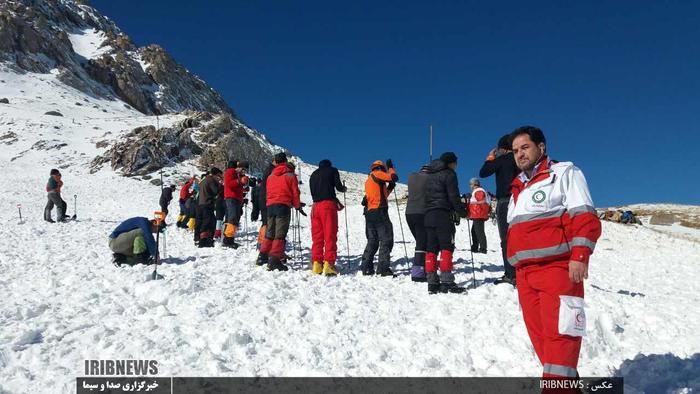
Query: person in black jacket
[(324, 218), (165, 197), (442, 204), (209, 189), (415, 217), (501, 162)]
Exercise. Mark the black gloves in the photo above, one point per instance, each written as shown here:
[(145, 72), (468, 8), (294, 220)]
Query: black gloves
[(389, 164), (301, 210)]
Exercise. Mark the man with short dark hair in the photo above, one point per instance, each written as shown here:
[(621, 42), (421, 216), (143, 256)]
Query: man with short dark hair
[(553, 229), (500, 161), (282, 195), (323, 183)]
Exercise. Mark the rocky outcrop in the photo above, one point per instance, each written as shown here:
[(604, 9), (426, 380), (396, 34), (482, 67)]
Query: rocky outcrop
[(210, 140), (35, 37)]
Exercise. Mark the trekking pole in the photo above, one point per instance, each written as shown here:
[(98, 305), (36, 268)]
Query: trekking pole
[(347, 237), (469, 233), (245, 225), (403, 238), (19, 208), (75, 206), (159, 219)]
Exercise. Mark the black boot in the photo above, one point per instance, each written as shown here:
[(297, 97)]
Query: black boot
[(451, 287), (262, 260), (367, 269), (433, 288), (228, 242), (206, 243), (505, 279), (274, 264), (118, 259), (386, 272)]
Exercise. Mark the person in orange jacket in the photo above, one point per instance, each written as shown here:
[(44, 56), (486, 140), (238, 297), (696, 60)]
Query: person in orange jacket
[(378, 228)]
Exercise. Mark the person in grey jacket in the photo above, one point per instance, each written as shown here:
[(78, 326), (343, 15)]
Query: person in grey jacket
[(415, 217)]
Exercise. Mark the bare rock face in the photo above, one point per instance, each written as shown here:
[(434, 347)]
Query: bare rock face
[(34, 36), (207, 139)]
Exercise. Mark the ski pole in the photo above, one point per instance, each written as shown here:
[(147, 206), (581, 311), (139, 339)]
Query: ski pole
[(75, 206), (469, 232), (159, 219), (19, 208), (347, 238), (403, 238), (245, 225)]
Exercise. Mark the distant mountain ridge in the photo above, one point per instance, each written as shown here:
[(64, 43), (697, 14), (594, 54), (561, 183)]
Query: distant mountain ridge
[(90, 53)]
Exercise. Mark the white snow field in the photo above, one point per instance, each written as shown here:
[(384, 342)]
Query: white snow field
[(215, 314)]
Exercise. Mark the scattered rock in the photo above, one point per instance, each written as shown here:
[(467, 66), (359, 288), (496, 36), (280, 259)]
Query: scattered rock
[(663, 219), (53, 113), (4, 101)]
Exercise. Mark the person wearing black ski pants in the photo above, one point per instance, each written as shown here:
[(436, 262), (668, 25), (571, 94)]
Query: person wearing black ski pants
[(478, 236), (501, 163), (440, 233), (416, 223), (380, 237)]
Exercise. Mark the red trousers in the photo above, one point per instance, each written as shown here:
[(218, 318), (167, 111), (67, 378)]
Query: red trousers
[(545, 313), (324, 231)]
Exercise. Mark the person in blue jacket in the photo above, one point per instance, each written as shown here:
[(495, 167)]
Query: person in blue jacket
[(132, 241)]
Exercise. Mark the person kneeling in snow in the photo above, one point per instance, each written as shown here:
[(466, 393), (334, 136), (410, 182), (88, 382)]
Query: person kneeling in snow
[(132, 241)]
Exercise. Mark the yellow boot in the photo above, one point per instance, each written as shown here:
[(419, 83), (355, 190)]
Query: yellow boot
[(317, 268), (329, 269), (190, 224)]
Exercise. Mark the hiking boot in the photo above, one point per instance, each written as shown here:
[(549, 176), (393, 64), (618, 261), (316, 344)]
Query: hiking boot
[(418, 273), (451, 287), (433, 288), (262, 260), (504, 279), (316, 268), (206, 243), (118, 259), (229, 242), (50, 220), (367, 269), (482, 251), (274, 264), (386, 272), (329, 269)]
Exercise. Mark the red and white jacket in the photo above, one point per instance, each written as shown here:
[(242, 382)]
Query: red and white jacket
[(551, 216), (479, 204)]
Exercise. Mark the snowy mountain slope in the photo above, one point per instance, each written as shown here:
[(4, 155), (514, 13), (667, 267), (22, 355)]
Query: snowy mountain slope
[(217, 315)]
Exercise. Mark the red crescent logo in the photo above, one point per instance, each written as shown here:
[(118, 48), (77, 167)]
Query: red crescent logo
[(579, 318)]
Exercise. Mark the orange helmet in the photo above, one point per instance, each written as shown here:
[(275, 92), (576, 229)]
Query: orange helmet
[(376, 163)]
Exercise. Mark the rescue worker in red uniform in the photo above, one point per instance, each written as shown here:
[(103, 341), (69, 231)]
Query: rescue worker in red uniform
[(553, 228), (479, 209), (235, 184), (324, 218)]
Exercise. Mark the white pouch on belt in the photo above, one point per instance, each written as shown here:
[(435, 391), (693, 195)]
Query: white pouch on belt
[(572, 316)]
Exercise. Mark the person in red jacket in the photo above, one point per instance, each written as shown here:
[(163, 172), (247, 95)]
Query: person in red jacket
[(235, 183), (553, 229), (282, 195), (185, 193), (479, 208)]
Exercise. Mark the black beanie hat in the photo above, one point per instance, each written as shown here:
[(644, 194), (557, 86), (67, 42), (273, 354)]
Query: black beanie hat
[(448, 157), (504, 142), (280, 158), (232, 163), (215, 171), (55, 172)]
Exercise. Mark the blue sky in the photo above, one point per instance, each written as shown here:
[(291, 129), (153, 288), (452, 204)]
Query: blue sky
[(614, 85)]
